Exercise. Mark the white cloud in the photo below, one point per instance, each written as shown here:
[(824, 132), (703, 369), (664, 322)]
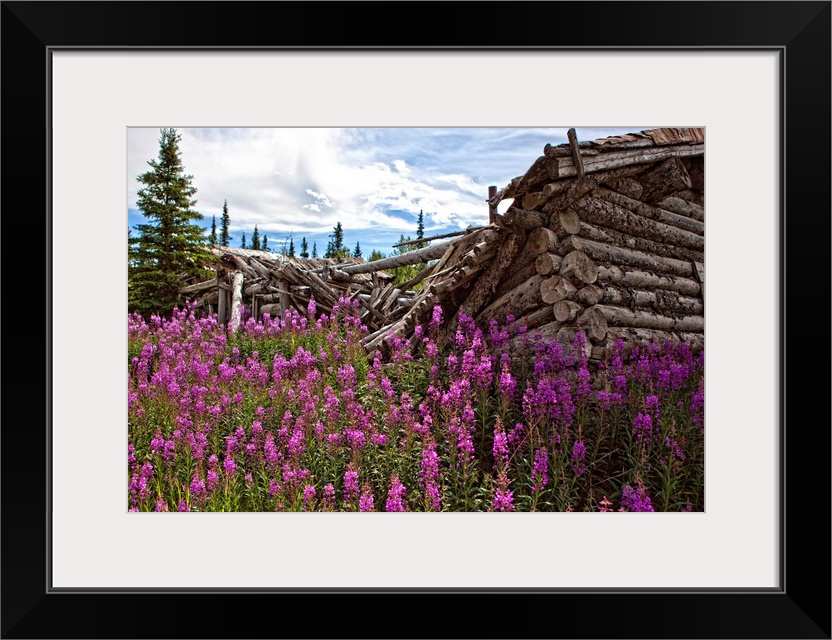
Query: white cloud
[(305, 180)]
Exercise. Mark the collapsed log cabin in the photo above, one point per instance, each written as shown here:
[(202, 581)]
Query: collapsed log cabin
[(604, 237)]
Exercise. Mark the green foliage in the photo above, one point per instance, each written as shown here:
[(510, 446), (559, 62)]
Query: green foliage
[(291, 248), (225, 238), (335, 248), (255, 239), (212, 239), (403, 274), (420, 227), (357, 252), (314, 249), (376, 255), (304, 248), (170, 246), (265, 242), (243, 242)]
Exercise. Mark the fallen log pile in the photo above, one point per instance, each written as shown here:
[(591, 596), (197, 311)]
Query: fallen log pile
[(603, 236)]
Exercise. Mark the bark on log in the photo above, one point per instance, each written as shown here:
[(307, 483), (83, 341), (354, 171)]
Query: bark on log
[(472, 258), (199, 287), (547, 263), (524, 219), (513, 302), (637, 279), (594, 325), (576, 152), (627, 186), (683, 207), (521, 269), (616, 159), (222, 306), (535, 318), (659, 300), (631, 258), (670, 176), (566, 310), (542, 170), (696, 197), (555, 288), (639, 337), (236, 301), (620, 239), (404, 259), (571, 194), (578, 267), (623, 317), (487, 283), (614, 216), (649, 211)]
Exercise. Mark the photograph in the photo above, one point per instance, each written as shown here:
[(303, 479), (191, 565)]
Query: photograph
[(388, 319), (446, 267)]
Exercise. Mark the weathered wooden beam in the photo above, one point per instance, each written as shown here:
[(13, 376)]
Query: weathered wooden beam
[(236, 301)]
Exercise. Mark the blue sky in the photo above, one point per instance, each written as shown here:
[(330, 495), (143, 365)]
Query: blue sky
[(299, 182)]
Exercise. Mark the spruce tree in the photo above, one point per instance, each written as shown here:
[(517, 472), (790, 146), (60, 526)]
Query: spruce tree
[(291, 248), (357, 252), (304, 248), (170, 246), (243, 243), (255, 239), (265, 242), (314, 249), (335, 248), (225, 238), (212, 239), (420, 227), (376, 255)]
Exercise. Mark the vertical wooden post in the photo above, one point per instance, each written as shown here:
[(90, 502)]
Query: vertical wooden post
[(236, 301), (576, 153), (222, 306), (492, 210), (284, 299)]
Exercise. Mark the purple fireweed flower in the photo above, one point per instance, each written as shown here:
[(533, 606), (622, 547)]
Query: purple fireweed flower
[(212, 479), (157, 443), (229, 465), (643, 427), (635, 499), (198, 486), (351, 486), (249, 479), (578, 456), (436, 318), (429, 475), (182, 506), (365, 503), (396, 496), (309, 494), (131, 459), (540, 471), (500, 447), (503, 496), (328, 502), (161, 505), (604, 505)]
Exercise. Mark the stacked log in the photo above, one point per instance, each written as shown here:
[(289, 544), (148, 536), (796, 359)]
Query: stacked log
[(619, 251)]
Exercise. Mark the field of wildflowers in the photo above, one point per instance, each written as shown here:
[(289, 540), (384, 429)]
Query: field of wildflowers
[(290, 414)]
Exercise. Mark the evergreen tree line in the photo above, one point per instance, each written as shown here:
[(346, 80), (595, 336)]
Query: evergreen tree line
[(170, 248)]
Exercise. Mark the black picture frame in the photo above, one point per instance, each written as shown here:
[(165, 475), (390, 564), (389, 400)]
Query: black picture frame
[(800, 608)]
